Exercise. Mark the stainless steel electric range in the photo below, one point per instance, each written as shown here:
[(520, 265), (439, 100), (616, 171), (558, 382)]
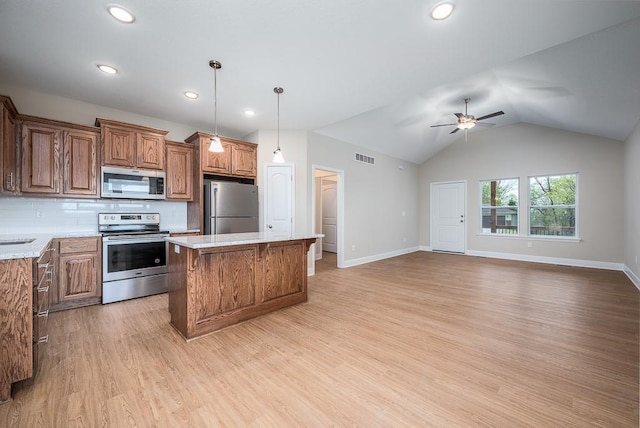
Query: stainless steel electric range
[(134, 256)]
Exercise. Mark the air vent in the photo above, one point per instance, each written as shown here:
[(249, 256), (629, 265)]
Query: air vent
[(365, 159)]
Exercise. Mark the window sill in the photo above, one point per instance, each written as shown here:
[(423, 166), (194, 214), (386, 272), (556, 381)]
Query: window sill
[(571, 239)]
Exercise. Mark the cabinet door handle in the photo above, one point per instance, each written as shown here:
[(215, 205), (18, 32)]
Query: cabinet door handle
[(55, 185), (44, 339), (43, 314), (43, 289), (10, 176)]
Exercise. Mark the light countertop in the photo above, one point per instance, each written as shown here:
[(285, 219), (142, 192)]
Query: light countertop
[(34, 249), (229, 239)]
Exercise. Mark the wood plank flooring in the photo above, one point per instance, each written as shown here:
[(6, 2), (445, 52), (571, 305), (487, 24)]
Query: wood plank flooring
[(425, 339)]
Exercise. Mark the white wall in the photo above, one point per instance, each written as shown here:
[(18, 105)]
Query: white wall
[(375, 198), (632, 205), (525, 150)]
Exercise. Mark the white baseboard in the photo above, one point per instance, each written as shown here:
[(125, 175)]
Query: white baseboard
[(424, 248), (548, 260), (375, 258), (632, 276)]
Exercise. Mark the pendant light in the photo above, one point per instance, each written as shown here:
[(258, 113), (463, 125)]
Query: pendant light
[(215, 146), (277, 154)]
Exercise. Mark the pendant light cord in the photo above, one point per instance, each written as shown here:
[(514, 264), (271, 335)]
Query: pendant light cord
[(215, 100), (278, 120)]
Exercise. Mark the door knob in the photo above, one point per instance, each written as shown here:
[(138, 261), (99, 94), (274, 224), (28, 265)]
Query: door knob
[(269, 226)]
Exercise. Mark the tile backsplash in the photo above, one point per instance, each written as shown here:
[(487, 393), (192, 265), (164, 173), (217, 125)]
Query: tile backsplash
[(53, 215)]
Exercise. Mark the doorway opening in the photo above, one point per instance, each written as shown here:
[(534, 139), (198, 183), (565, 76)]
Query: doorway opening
[(328, 203)]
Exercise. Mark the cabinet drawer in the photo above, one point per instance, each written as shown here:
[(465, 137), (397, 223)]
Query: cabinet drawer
[(42, 298), (78, 245)]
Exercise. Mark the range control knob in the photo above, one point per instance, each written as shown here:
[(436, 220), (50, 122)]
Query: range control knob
[(113, 217), (148, 217)]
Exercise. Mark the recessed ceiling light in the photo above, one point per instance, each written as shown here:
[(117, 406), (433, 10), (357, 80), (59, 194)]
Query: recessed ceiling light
[(107, 69), (249, 113), (442, 11), (191, 95), (121, 14)]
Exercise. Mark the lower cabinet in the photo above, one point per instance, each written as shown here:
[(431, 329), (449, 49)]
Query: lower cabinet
[(24, 311), (79, 273)]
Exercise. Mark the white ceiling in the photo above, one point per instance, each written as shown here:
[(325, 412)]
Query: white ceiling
[(375, 73)]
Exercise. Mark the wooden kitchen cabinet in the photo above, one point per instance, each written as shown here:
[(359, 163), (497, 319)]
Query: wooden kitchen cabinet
[(58, 158), (8, 159), (24, 312), (132, 146), (80, 163), (16, 323), (179, 171), (239, 159), (79, 278), (244, 159), (216, 163)]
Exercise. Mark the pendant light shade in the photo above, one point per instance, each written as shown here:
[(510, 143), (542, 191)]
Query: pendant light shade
[(215, 146), (277, 154)]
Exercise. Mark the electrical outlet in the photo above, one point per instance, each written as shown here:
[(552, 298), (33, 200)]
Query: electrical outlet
[(38, 213), (353, 247), (404, 239), (529, 244)]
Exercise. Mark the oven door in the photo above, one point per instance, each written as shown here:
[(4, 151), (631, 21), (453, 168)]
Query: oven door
[(125, 257)]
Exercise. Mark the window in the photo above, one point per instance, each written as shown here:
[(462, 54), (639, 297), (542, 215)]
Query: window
[(499, 206), (552, 205)]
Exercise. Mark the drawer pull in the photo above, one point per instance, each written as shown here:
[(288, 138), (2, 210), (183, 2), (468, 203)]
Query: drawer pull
[(43, 314), (43, 289), (43, 339)]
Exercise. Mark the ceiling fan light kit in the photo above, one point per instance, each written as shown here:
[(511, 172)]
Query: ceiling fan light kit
[(467, 121)]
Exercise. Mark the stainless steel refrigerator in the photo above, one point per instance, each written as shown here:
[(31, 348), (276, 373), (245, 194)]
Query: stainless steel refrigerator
[(230, 207)]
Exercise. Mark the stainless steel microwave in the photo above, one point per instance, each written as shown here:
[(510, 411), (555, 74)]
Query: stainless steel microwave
[(125, 183)]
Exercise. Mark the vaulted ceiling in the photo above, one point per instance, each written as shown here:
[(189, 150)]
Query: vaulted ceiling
[(374, 73)]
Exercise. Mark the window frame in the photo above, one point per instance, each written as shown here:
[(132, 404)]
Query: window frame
[(575, 206), (518, 206)]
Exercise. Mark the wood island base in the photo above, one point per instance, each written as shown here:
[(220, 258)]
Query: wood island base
[(219, 286)]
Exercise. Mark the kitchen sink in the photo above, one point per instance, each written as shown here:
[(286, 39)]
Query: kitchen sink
[(17, 241)]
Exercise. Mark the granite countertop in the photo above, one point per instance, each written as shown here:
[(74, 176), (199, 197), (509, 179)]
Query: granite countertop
[(229, 239), (34, 248)]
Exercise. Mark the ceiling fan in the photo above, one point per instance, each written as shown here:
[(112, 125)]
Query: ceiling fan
[(467, 121)]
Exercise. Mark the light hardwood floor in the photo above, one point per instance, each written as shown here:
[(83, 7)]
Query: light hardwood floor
[(423, 340)]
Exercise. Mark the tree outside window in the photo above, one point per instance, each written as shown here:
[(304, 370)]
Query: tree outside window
[(499, 206), (552, 205)]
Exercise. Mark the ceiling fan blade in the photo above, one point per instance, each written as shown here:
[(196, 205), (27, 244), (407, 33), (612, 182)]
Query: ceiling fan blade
[(444, 124), (454, 131), (459, 115), (497, 113), (485, 124)]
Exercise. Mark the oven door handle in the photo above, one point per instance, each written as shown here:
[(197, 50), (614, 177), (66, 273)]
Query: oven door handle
[(133, 239)]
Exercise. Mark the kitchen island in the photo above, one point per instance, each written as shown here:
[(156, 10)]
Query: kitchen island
[(220, 280)]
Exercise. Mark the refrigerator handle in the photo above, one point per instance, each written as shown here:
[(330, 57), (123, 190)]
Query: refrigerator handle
[(214, 201)]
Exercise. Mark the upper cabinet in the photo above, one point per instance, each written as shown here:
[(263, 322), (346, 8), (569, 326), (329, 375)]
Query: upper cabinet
[(8, 144), (179, 171), (244, 159), (58, 158), (132, 146), (239, 159)]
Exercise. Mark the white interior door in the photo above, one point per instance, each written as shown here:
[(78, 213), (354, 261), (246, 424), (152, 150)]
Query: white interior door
[(329, 215), (448, 216), (279, 198)]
